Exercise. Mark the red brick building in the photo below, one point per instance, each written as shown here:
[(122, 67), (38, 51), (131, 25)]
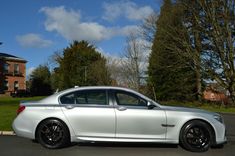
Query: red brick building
[(215, 93), (12, 73)]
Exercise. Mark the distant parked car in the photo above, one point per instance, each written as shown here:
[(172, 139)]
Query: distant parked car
[(20, 93), (115, 114)]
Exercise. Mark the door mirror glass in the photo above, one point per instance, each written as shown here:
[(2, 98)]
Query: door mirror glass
[(150, 105)]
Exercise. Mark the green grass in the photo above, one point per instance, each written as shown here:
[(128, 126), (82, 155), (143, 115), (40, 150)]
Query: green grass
[(8, 107)]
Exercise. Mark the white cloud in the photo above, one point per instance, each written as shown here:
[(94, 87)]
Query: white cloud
[(29, 71), (128, 9), (127, 29), (108, 56), (101, 51), (33, 41), (68, 24)]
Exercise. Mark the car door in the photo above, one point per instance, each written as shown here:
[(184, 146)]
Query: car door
[(89, 113), (135, 120)]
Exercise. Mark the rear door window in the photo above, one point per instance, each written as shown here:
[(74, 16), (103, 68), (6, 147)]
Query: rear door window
[(87, 97), (96, 97)]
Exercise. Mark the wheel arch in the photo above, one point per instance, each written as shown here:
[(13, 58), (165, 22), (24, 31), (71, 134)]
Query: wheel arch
[(206, 122), (51, 118)]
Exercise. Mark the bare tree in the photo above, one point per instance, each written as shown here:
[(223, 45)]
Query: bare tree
[(218, 57), (134, 61), (208, 39), (115, 69), (130, 69), (148, 29)]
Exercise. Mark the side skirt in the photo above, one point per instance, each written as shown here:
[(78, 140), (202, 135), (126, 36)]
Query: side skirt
[(98, 139)]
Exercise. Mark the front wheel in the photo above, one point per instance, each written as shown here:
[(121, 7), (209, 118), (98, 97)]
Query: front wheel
[(196, 136), (53, 134)]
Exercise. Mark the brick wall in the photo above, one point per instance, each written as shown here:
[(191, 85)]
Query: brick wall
[(211, 95), (1, 76), (11, 76)]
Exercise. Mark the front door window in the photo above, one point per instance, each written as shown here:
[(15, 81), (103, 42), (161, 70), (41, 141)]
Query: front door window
[(129, 99)]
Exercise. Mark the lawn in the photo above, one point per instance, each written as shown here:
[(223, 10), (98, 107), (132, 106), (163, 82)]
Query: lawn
[(8, 107)]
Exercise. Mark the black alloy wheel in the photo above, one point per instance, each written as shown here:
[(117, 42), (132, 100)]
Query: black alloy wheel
[(53, 134), (196, 136)]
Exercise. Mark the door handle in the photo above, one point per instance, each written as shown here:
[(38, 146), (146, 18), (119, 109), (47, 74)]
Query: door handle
[(69, 107), (121, 108)]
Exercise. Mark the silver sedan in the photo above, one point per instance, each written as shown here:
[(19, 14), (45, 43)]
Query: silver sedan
[(117, 115)]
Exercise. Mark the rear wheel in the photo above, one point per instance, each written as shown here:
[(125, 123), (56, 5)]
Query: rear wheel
[(196, 136), (53, 134)]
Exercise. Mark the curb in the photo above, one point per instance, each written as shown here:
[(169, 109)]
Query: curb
[(9, 133)]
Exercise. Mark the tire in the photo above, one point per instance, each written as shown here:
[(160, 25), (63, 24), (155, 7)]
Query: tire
[(196, 136), (53, 134)]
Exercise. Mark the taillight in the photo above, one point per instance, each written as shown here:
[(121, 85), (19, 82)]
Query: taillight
[(20, 109)]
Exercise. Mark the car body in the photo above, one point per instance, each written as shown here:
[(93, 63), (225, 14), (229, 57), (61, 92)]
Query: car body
[(118, 115)]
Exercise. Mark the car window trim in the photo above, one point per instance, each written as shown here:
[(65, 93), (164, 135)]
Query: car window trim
[(89, 106)]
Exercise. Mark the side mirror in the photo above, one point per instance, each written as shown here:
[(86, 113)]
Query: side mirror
[(150, 105)]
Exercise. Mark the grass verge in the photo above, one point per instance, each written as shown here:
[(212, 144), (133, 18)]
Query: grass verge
[(8, 107)]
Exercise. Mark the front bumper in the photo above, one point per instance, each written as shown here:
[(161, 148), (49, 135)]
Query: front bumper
[(220, 131)]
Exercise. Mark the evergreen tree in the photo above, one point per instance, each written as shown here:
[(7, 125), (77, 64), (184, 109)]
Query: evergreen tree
[(40, 81), (171, 76), (81, 65)]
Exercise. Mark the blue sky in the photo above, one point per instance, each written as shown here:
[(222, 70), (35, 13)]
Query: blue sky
[(35, 29)]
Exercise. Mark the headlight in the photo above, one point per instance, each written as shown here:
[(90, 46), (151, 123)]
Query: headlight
[(219, 118)]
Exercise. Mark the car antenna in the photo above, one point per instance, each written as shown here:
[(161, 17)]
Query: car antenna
[(57, 90)]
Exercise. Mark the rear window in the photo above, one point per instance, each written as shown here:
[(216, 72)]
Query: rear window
[(92, 97)]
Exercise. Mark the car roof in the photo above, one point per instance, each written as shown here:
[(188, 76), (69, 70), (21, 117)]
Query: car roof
[(95, 87)]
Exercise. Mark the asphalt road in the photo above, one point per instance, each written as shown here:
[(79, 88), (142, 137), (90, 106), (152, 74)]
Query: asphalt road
[(229, 120), (16, 146)]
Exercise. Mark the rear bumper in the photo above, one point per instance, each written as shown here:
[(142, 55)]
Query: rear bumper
[(21, 130)]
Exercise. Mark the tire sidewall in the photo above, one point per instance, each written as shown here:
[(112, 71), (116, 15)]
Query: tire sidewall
[(189, 125), (65, 139)]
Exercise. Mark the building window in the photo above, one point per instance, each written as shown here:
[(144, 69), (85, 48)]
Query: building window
[(6, 67), (6, 85), (16, 85), (16, 69)]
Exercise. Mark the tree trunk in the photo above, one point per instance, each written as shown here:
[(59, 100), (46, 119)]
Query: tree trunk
[(198, 83), (198, 50), (231, 92)]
